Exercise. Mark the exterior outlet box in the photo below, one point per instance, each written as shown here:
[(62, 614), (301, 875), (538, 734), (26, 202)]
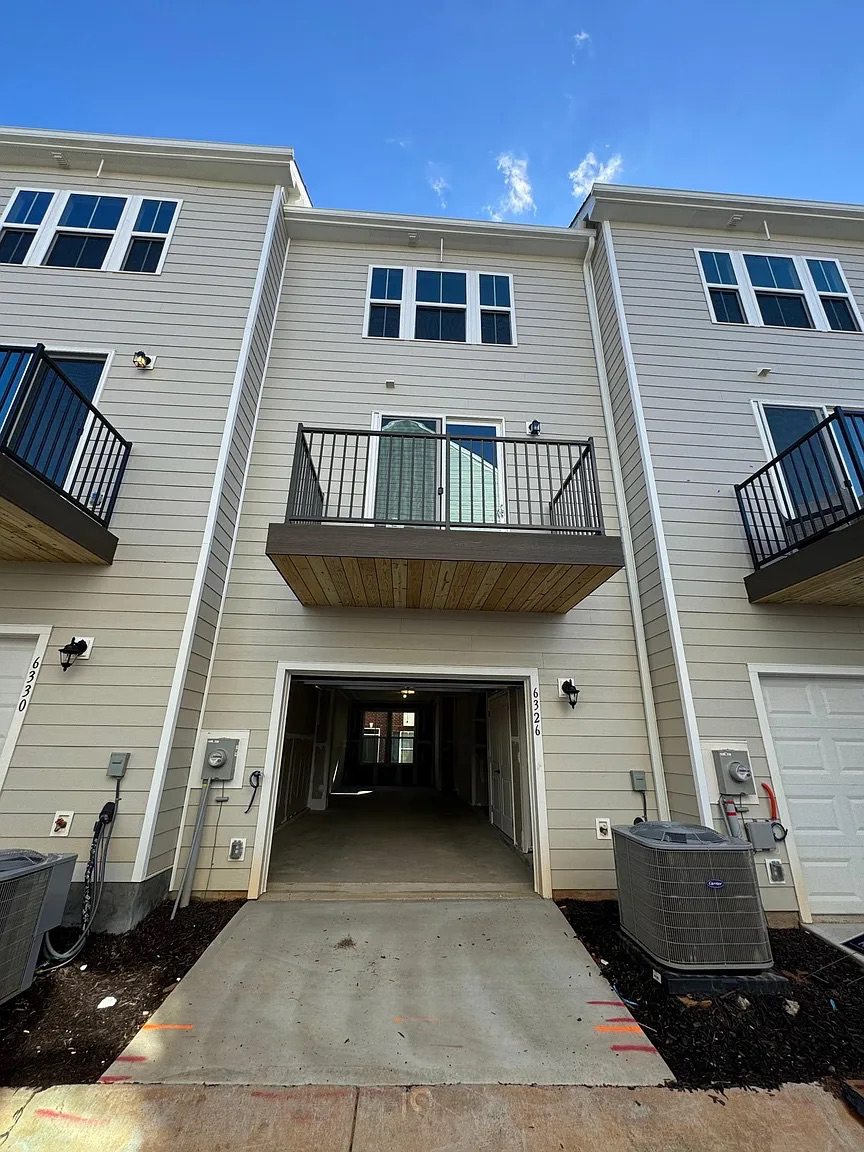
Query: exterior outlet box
[(776, 871), (117, 763), (604, 828), (760, 833), (220, 759), (237, 849), (62, 823), (638, 781), (734, 772)]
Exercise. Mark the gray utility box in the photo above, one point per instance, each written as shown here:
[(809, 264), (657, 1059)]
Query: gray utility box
[(33, 893), (689, 897)]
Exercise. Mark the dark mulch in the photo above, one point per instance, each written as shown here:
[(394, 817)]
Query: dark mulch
[(54, 1034), (719, 1044)]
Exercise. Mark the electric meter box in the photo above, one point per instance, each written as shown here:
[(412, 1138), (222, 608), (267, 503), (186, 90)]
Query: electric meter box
[(734, 772), (220, 759)]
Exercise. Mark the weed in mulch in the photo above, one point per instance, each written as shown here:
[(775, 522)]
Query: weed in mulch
[(55, 1034), (719, 1044)]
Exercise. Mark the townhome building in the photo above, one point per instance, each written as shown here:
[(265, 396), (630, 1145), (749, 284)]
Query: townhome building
[(733, 359), (410, 554)]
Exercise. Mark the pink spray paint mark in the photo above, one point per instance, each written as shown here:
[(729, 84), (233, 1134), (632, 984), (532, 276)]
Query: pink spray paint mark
[(113, 1079), (632, 1048), (609, 1003), (53, 1114), (131, 1059)]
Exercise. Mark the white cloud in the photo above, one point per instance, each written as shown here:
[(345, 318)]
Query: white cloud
[(581, 38), (399, 141), (439, 186), (590, 171), (518, 197)]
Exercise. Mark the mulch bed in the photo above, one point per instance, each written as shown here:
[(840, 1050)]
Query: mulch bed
[(718, 1044), (54, 1034)]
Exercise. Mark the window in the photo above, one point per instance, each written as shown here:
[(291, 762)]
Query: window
[(834, 295), (87, 230), (778, 291), (495, 326), (441, 305), (385, 302), (722, 287)]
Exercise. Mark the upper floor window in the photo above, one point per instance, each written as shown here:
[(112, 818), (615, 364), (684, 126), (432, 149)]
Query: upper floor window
[(441, 305), (778, 291), (86, 230)]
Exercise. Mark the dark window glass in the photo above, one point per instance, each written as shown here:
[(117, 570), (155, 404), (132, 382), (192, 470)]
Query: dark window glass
[(440, 324), (14, 245), (495, 328), (386, 283), (143, 255), (155, 216), (772, 272), (495, 291), (717, 267), (82, 372), (826, 276), (71, 250), (727, 306), (384, 320), (840, 316), (783, 311), (29, 208), (441, 287), (92, 211)]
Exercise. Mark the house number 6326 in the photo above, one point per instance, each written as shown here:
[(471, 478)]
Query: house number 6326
[(536, 711), (28, 684)]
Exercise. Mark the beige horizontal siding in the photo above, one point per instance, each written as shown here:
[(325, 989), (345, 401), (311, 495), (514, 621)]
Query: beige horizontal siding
[(191, 318)]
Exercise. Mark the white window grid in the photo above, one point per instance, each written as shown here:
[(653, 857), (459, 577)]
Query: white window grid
[(499, 309), (808, 290), (408, 304), (122, 234)]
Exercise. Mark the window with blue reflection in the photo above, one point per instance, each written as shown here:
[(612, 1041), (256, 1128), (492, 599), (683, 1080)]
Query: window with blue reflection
[(772, 272), (84, 211), (155, 216), (494, 291), (441, 287), (386, 283), (29, 208), (717, 267), (826, 276)]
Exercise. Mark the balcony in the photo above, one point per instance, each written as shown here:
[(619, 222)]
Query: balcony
[(804, 518), (61, 465), (411, 517)]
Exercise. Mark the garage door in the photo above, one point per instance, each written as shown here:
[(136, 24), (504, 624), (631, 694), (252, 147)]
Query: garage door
[(818, 730), (16, 652)]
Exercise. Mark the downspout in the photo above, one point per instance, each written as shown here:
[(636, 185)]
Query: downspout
[(654, 752)]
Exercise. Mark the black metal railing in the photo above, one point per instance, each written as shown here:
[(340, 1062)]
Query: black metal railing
[(812, 487), (444, 479), (50, 428)]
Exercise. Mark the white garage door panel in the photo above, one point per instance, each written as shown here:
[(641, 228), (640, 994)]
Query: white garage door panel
[(818, 729), (16, 652)]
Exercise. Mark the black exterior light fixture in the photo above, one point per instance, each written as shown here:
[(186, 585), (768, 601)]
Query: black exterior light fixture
[(534, 428), (70, 652), (141, 360), (571, 692)]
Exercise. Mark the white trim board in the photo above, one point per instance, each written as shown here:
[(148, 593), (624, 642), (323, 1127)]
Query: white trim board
[(273, 756), (691, 726), (172, 711), (40, 634)]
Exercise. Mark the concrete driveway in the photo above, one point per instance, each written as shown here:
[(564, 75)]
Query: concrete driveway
[(395, 992)]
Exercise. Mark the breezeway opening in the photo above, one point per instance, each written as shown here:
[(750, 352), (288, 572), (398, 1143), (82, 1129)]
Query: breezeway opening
[(407, 785)]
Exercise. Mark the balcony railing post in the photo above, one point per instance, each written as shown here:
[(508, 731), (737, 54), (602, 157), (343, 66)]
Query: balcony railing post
[(445, 495), (595, 485), (846, 422), (296, 480), (22, 391)]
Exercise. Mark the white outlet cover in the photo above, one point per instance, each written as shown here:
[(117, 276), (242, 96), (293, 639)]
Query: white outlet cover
[(600, 823), (66, 818), (241, 840)]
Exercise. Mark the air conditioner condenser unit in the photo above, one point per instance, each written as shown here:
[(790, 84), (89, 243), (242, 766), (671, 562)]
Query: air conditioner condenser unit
[(33, 893), (689, 898)]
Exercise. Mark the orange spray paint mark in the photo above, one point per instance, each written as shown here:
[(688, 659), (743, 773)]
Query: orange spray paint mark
[(113, 1079), (617, 1028), (150, 1027), (53, 1114)]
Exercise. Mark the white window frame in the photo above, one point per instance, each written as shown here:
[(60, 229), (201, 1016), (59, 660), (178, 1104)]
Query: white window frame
[(122, 235), (808, 290), (409, 304), (40, 635)]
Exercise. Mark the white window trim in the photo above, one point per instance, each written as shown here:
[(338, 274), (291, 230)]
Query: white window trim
[(40, 635), (409, 304), (122, 235), (808, 290)]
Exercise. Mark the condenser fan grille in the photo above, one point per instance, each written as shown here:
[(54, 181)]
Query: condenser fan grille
[(692, 906), (21, 902)]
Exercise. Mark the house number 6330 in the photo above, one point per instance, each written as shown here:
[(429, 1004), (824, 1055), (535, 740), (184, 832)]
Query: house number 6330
[(536, 711), (28, 684)]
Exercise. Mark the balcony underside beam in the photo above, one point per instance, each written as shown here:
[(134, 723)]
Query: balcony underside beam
[(825, 571), (445, 569)]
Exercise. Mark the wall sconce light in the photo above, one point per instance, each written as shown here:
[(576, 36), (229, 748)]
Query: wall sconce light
[(141, 360), (534, 428), (70, 652), (569, 689)]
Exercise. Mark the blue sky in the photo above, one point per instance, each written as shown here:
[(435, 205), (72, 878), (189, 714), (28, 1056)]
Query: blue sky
[(471, 108)]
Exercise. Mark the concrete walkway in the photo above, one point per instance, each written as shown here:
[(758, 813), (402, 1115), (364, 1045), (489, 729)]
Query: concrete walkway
[(400, 992), (126, 1118)]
